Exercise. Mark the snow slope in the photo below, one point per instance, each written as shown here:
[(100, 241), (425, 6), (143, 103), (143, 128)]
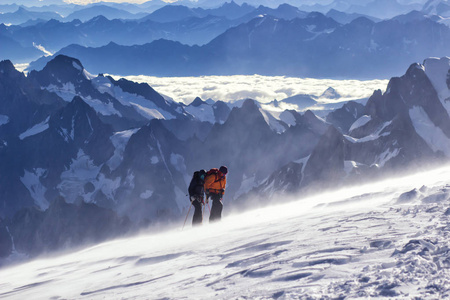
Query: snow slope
[(384, 239)]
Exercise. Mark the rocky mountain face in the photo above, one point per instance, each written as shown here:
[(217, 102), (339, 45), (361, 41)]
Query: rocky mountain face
[(74, 146), (118, 146), (406, 127), (344, 117)]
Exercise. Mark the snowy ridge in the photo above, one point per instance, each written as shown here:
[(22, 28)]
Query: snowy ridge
[(119, 140), (203, 112), (142, 105), (360, 122), (437, 71), (373, 136), (384, 239), (31, 180), (433, 136), (273, 122)]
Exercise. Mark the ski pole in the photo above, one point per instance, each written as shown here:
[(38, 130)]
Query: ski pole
[(203, 213), (187, 216)]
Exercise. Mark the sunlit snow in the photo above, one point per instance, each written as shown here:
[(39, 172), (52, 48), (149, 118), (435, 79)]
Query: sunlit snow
[(371, 137), (272, 122), (66, 92), (436, 70), (387, 155), (202, 112), (31, 180), (119, 140), (360, 122), (433, 136), (382, 239), (143, 106), (81, 171)]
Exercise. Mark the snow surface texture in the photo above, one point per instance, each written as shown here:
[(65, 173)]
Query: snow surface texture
[(388, 238)]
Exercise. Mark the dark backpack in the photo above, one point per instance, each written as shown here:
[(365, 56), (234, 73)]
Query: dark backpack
[(196, 186)]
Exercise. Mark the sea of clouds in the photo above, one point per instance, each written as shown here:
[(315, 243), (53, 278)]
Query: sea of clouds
[(261, 88)]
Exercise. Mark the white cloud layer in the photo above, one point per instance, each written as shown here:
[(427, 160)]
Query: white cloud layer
[(262, 88)]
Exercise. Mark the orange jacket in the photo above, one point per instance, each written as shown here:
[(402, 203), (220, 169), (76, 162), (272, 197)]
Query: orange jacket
[(215, 183)]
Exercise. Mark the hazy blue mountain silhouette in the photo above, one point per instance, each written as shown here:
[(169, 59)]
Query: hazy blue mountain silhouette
[(314, 46)]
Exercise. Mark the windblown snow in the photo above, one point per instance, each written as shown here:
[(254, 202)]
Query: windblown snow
[(386, 239)]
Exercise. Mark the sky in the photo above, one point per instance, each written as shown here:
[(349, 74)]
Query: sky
[(142, 1), (84, 2)]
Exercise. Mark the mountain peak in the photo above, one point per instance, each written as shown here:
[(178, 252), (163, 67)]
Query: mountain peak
[(21, 9), (249, 105), (60, 70), (362, 21), (315, 14), (197, 102), (246, 116), (285, 5), (6, 66), (230, 4), (63, 62), (330, 93), (9, 73), (78, 104), (98, 19)]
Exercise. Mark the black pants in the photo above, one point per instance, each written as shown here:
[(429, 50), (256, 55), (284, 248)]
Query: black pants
[(216, 209), (198, 215)]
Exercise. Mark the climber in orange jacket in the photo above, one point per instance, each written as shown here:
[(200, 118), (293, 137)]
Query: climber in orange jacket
[(215, 183)]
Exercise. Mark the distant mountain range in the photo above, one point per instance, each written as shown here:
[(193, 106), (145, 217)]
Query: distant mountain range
[(23, 15), (188, 25), (68, 138), (314, 46), (99, 31), (177, 23)]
